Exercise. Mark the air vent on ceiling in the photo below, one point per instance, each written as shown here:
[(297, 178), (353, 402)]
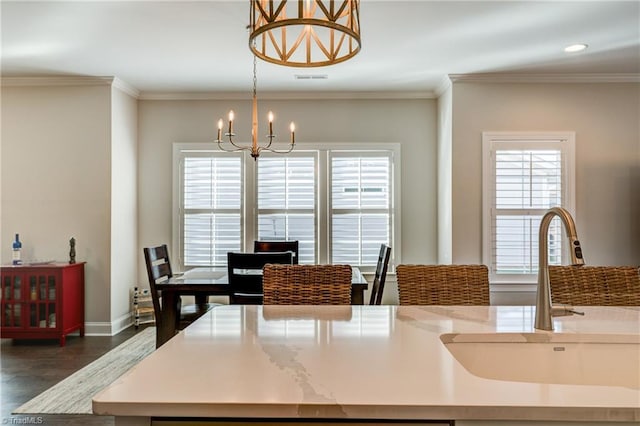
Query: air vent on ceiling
[(311, 76)]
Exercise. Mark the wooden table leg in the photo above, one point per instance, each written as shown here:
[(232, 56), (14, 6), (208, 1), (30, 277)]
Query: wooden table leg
[(169, 317), (357, 296), (201, 301)]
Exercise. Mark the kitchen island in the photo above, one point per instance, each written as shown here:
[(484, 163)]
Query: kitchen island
[(389, 363)]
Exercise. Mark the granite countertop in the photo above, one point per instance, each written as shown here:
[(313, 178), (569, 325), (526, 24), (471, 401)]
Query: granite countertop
[(363, 362)]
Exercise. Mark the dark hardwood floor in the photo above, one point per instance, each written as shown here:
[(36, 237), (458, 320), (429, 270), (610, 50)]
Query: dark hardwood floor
[(29, 367)]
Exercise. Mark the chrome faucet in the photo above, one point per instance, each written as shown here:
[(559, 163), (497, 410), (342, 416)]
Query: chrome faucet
[(544, 309)]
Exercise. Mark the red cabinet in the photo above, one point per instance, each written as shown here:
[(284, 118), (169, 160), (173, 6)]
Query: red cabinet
[(42, 301)]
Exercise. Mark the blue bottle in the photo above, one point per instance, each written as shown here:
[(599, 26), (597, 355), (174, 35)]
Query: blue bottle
[(17, 248)]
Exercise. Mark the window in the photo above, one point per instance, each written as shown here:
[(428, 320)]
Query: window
[(525, 174), (360, 206), (337, 201), (287, 202), (211, 205)]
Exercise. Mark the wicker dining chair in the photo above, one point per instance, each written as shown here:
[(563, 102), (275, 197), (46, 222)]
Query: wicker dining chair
[(443, 284), (307, 284), (595, 285)]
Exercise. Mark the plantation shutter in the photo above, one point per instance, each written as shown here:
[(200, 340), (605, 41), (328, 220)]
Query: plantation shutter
[(528, 177), (287, 201), (360, 206), (212, 206)]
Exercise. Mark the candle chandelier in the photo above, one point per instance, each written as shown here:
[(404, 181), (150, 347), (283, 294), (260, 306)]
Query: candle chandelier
[(254, 149)]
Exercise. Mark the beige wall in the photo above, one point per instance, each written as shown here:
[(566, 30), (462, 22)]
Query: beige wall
[(412, 123), (93, 163), (605, 119), (124, 205), (55, 177)]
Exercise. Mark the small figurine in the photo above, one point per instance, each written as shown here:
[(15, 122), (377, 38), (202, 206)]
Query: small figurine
[(72, 250)]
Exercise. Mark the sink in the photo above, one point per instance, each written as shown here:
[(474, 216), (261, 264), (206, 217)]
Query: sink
[(558, 358)]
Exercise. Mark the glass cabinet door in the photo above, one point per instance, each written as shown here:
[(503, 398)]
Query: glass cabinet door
[(42, 301), (29, 300), (12, 288)]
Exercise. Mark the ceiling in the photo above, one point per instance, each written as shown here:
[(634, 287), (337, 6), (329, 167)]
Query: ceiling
[(407, 46)]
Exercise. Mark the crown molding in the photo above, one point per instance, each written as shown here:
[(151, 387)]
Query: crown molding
[(37, 81), (443, 86), (547, 78), (125, 87), (223, 96), (56, 81), (119, 84)]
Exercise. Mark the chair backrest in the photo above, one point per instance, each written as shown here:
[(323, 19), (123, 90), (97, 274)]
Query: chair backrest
[(377, 288), (158, 267), (307, 284), (595, 285), (279, 246), (443, 284), (245, 274)]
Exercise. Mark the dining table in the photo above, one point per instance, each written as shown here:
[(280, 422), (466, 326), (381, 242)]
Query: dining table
[(202, 282)]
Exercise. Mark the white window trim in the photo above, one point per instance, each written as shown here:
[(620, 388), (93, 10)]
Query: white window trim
[(512, 283), (396, 214), (249, 218), (362, 154), (318, 199), (176, 206)]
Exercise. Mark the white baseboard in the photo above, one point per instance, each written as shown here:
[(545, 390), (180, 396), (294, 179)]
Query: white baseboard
[(108, 328)]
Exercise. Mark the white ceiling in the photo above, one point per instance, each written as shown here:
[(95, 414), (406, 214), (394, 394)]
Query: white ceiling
[(407, 46)]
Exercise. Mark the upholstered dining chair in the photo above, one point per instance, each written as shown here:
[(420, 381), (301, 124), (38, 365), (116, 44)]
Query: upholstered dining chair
[(595, 285), (307, 284), (377, 288), (159, 268), (279, 246), (245, 274), (443, 284)]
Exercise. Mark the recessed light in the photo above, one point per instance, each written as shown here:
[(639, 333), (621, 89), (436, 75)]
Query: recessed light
[(575, 48)]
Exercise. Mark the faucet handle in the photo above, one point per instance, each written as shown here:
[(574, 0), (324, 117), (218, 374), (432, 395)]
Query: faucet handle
[(576, 252)]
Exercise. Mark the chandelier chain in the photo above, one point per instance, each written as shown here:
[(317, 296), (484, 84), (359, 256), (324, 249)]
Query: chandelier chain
[(255, 78)]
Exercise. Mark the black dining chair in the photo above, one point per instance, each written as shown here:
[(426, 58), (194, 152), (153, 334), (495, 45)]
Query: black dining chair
[(377, 288), (277, 246), (245, 274), (159, 268)]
